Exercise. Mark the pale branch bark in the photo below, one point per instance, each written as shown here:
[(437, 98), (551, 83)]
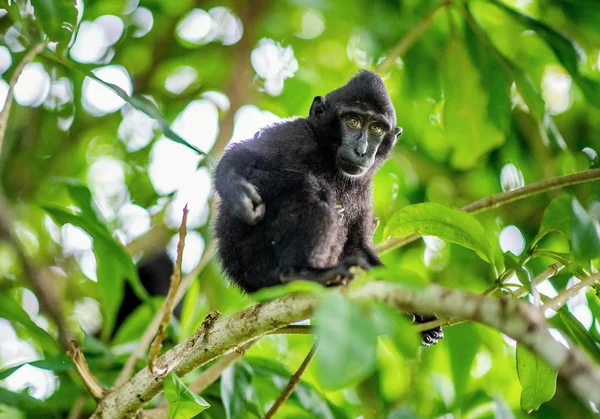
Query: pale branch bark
[(31, 54), (546, 274), (410, 38), (91, 383), (561, 299), (519, 320), (151, 329), (498, 200), (291, 385), (169, 302)]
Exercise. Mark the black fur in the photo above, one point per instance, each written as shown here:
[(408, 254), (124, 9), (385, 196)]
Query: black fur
[(296, 200)]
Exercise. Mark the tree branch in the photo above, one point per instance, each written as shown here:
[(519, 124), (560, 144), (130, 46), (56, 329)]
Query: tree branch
[(169, 302), (519, 320), (560, 300), (410, 38), (498, 200)]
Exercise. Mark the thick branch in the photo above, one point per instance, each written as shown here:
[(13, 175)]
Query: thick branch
[(498, 200), (519, 320)]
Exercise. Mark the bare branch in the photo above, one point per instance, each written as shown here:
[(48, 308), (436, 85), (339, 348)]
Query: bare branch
[(410, 38), (548, 273), (517, 319), (498, 200), (93, 386), (291, 385), (561, 299), (169, 302)]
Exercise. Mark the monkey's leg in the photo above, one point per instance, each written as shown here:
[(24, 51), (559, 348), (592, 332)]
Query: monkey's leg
[(307, 236)]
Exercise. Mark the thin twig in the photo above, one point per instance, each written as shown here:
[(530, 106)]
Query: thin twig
[(498, 200), (151, 329), (33, 52), (169, 302), (93, 386), (410, 38), (561, 299), (291, 385), (212, 373)]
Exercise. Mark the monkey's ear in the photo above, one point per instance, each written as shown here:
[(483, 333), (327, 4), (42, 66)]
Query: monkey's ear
[(318, 106), (398, 132)]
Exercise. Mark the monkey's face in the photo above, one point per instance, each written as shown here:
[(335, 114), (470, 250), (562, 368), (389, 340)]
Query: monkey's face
[(361, 132)]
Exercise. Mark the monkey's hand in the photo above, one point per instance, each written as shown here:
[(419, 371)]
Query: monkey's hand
[(431, 336), (245, 202)]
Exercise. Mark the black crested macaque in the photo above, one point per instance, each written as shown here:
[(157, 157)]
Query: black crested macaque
[(296, 200)]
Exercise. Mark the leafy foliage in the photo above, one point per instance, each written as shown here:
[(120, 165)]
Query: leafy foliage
[(118, 121)]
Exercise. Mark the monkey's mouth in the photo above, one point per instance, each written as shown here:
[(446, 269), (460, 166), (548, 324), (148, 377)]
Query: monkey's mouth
[(350, 168)]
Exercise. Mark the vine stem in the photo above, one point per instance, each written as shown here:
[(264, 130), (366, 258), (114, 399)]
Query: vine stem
[(504, 198)]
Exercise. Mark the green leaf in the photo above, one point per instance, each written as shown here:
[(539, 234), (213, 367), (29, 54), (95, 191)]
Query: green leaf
[(468, 129), (113, 263), (236, 384), (183, 404), (463, 344), (11, 310), (570, 326), (557, 217), (347, 342), (538, 379), (513, 263), (530, 94), (449, 224), (493, 79), (585, 236), (304, 394), (135, 324), (566, 50), (57, 18), (140, 103), (399, 328), (59, 363), (299, 286)]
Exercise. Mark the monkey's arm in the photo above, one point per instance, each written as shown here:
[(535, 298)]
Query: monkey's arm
[(237, 194)]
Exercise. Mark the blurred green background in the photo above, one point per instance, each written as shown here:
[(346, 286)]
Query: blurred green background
[(491, 95)]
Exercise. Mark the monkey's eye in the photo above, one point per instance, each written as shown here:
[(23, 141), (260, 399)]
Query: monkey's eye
[(353, 122), (376, 129)]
